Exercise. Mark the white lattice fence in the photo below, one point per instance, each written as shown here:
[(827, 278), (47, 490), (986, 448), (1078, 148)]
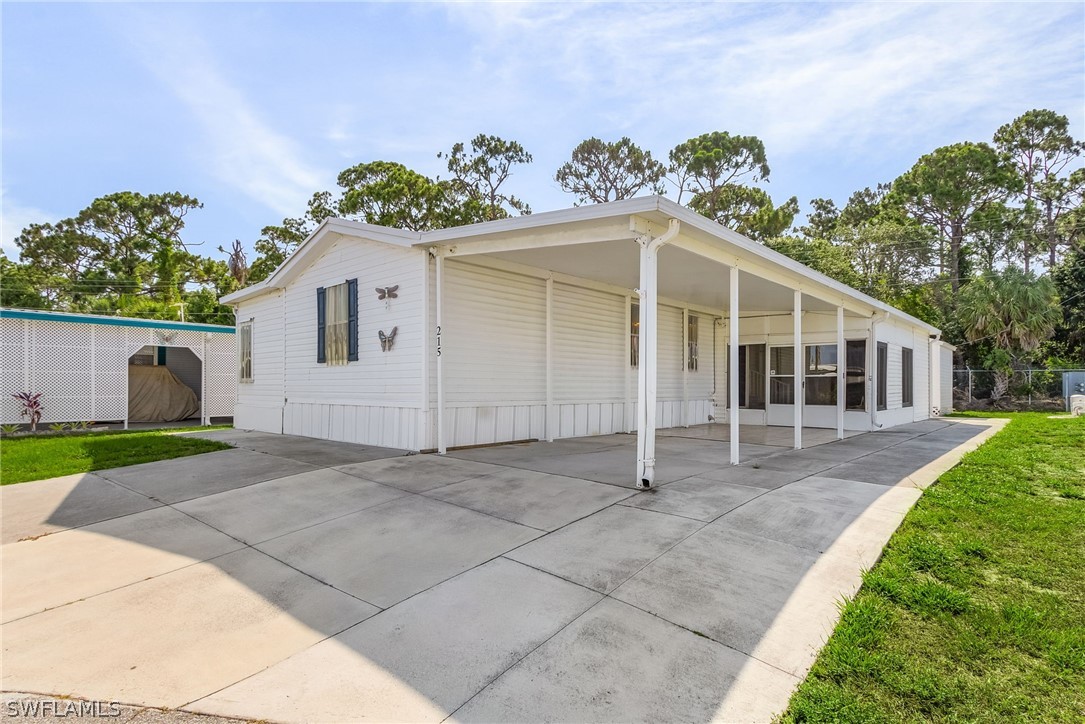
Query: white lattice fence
[(81, 369)]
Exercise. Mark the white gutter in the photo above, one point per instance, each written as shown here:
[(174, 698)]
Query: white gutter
[(646, 374)]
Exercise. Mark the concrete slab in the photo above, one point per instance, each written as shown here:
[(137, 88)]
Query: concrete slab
[(418, 661), (818, 520), (773, 601), (76, 564), (266, 510), (41, 507), (610, 464), (419, 473), (697, 498), (539, 500), (178, 637), (171, 481), (851, 493), (892, 466), (389, 552), (315, 451), (795, 461), (618, 664), (757, 477), (605, 549)]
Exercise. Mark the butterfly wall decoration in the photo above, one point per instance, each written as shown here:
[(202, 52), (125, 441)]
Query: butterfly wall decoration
[(384, 293), (387, 339)]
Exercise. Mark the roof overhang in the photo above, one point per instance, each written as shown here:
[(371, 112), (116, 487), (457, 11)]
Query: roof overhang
[(598, 242)]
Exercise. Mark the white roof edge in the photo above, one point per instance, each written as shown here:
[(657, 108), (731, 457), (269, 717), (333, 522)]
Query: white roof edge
[(636, 205), (639, 204), (643, 204), (688, 216), (385, 234)]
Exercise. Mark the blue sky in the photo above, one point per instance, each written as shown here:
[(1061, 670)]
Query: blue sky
[(252, 107)]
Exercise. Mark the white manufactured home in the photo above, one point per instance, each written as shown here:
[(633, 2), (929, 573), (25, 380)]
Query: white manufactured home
[(619, 317)]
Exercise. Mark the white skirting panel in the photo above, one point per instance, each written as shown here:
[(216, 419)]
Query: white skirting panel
[(394, 427), (485, 425), (255, 417), (593, 418)]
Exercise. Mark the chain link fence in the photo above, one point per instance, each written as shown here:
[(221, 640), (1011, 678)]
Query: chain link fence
[(1029, 389)]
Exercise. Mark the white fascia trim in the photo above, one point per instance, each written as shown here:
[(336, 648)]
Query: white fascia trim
[(708, 226), (647, 204), (314, 242), (638, 205)]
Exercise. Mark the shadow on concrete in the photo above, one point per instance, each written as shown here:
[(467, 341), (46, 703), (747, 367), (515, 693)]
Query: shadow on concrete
[(293, 579)]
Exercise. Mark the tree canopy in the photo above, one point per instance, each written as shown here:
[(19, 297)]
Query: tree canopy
[(599, 171), (951, 231)]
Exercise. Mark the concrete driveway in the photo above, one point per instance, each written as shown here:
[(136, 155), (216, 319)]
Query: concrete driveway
[(291, 579)]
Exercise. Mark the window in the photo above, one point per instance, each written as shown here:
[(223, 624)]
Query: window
[(820, 382), (906, 374), (634, 334), (883, 373), (855, 375), (691, 343), (244, 351), (782, 375), (337, 323), (751, 376)]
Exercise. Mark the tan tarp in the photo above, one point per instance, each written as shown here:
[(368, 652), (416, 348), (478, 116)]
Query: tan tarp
[(156, 395)]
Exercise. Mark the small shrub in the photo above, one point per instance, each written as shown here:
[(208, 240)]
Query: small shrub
[(32, 407), (59, 426)]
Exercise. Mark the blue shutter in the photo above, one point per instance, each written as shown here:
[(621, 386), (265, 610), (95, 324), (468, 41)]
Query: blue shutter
[(320, 325), (352, 320)]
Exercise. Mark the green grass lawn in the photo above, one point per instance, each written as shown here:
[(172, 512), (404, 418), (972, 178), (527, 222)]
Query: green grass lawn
[(976, 610), (35, 458)]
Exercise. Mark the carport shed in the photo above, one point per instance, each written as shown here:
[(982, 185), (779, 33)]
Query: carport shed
[(80, 363), (619, 317)]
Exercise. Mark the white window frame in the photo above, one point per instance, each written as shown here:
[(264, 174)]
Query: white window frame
[(244, 351)]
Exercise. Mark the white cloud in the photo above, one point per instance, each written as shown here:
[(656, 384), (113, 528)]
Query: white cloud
[(843, 77), (240, 147), (14, 217)]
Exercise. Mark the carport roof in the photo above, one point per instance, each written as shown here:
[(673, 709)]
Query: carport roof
[(593, 242)]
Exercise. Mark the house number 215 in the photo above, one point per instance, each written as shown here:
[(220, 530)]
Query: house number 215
[(438, 340)]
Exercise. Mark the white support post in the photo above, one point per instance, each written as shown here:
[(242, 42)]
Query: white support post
[(442, 448), (732, 366), (841, 368), (423, 402), (646, 405), (551, 416), (799, 359), (685, 366), (93, 372), (646, 374), (205, 419)]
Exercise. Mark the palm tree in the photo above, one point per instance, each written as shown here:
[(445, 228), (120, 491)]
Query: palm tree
[(1012, 309)]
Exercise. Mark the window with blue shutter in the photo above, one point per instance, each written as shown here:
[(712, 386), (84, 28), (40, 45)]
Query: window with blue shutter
[(352, 320)]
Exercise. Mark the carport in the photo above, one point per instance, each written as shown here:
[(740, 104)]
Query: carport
[(806, 351)]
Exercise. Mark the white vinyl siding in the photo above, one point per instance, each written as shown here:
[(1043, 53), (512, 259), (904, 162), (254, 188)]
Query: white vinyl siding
[(671, 353), (388, 379), (266, 389), (494, 337), (589, 345)]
